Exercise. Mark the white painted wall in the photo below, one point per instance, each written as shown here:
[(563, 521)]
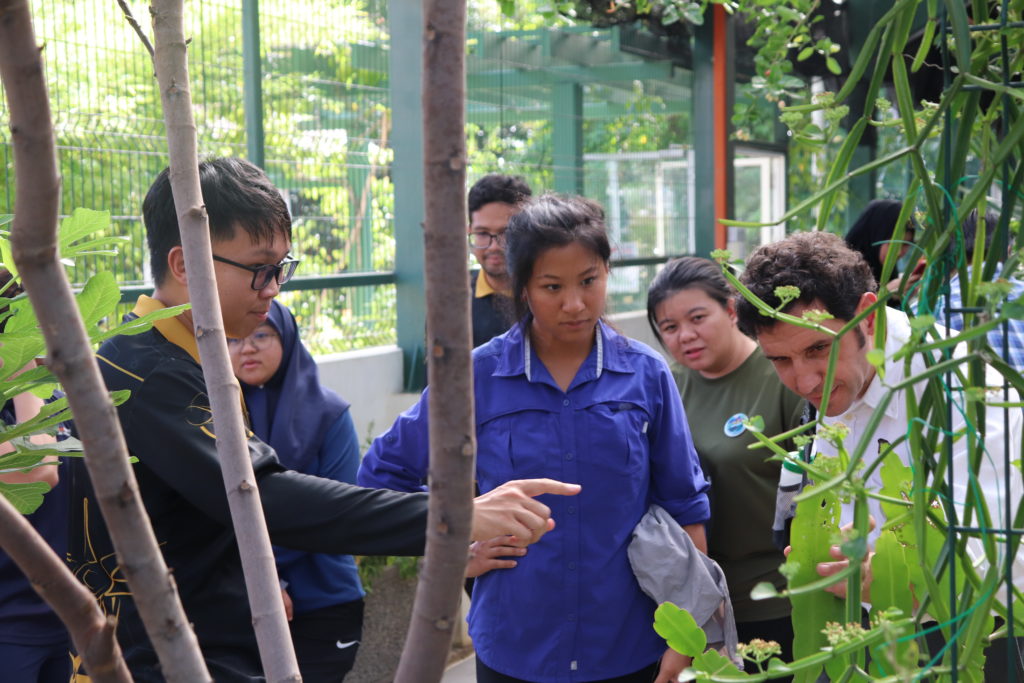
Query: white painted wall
[(371, 379)]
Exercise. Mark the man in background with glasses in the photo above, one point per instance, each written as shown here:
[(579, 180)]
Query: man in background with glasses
[(168, 425), (493, 200)]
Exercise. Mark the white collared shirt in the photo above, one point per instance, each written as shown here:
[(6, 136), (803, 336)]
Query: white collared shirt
[(896, 423)]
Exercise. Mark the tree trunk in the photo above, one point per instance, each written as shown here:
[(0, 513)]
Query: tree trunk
[(34, 246), (450, 372), (171, 60)]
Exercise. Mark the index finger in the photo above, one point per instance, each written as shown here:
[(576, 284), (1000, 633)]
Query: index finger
[(538, 487)]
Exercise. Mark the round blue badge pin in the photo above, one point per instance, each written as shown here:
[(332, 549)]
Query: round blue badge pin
[(734, 425)]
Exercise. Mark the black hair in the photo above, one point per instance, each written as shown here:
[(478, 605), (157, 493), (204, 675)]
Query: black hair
[(496, 187), (236, 193), (819, 263), (686, 273), (873, 227), (545, 222), (970, 230)]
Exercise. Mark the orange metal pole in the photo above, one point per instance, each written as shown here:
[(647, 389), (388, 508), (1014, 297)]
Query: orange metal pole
[(721, 123)]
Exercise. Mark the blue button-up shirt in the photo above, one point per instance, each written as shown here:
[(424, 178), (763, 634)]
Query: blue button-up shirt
[(1014, 328), (572, 609)]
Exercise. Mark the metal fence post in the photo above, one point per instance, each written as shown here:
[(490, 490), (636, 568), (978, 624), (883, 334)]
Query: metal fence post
[(252, 73), (567, 136), (405, 22)]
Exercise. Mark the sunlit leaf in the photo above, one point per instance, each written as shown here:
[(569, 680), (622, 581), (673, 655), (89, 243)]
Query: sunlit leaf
[(679, 629), (81, 223), (99, 298)]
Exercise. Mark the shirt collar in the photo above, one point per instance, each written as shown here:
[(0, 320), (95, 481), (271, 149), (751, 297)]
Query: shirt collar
[(484, 288), (516, 356), (528, 357), (897, 333), (171, 328)]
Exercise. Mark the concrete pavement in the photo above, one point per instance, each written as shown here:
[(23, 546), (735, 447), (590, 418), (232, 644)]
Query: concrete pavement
[(463, 672)]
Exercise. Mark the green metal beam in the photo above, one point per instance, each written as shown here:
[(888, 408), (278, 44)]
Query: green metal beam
[(252, 75), (605, 73), (545, 46), (482, 114), (498, 49), (129, 293), (567, 134), (592, 48), (405, 22)]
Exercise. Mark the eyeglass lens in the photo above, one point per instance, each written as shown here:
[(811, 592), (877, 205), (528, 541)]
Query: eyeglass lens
[(259, 340), (283, 272), (482, 240)]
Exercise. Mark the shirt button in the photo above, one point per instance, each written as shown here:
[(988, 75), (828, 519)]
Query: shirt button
[(572, 565), (571, 617), (572, 510), (568, 456), (565, 402)]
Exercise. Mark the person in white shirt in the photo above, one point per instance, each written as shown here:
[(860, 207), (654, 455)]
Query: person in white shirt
[(835, 279)]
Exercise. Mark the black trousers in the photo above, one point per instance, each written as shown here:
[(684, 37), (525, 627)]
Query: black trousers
[(485, 674), (326, 641)]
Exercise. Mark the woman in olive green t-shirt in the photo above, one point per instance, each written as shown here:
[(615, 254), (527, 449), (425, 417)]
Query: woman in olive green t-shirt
[(723, 377)]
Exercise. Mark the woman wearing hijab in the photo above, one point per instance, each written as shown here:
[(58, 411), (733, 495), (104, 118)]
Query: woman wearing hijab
[(311, 429)]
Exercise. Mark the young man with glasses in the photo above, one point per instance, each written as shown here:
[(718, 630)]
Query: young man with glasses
[(493, 200), (168, 426)]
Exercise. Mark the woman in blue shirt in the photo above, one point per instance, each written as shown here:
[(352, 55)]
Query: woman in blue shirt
[(311, 429), (563, 395)]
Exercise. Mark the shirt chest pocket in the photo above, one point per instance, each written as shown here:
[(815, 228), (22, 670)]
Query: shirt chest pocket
[(522, 445), (618, 430)]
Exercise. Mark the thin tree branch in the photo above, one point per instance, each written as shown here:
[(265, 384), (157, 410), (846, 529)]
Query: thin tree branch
[(135, 25)]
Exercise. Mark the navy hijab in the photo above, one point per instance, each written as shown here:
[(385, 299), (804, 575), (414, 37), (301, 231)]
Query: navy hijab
[(292, 412), (875, 225)]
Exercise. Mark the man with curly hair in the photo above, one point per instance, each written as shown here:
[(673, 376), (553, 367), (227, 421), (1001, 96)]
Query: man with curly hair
[(835, 280)]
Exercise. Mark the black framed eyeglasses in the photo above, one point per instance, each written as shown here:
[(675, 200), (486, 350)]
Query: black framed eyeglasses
[(483, 239), (262, 275)]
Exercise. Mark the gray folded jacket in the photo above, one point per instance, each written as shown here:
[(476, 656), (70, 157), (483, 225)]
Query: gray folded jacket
[(670, 568)]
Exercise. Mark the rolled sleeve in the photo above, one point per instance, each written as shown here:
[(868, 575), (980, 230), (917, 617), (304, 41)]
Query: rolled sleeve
[(677, 482), (399, 458)]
